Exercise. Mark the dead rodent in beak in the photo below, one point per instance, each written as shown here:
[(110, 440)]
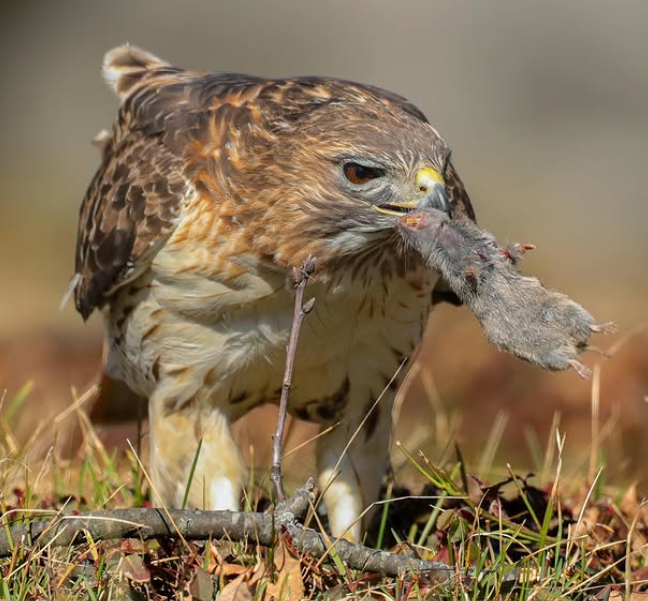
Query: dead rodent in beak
[(516, 312)]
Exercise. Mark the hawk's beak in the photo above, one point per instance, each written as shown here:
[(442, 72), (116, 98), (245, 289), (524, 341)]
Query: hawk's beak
[(432, 194)]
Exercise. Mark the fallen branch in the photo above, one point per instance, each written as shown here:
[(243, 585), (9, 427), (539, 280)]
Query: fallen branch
[(241, 526)]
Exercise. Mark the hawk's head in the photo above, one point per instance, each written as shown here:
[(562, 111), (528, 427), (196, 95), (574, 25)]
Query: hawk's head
[(324, 167), (341, 166)]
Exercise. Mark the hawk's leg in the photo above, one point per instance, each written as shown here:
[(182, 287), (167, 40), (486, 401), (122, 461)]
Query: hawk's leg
[(351, 478), (174, 439)]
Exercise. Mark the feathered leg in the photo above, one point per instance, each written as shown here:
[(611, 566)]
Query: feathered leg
[(220, 470), (352, 484)]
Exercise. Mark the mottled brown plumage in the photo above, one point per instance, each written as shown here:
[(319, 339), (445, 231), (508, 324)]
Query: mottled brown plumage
[(211, 188)]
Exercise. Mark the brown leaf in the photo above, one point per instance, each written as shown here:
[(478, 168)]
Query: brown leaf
[(617, 595), (231, 569), (629, 504), (589, 521), (221, 568), (444, 519), (289, 585), (133, 568), (201, 586), (237, 590), (215, 558), (133, 545)]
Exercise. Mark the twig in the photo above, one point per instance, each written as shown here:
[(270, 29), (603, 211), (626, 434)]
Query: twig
[(262, 528), (300, 279)]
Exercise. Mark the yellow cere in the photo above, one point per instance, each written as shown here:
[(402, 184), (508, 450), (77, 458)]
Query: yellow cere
[(427, 178)]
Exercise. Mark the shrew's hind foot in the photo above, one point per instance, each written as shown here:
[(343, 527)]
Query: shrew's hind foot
[(582, 370), (604, 328)]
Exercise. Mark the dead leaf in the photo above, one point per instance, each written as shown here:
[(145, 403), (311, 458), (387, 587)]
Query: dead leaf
[(629, 504), (617, 595), (587, 524), (231, 569), (133, 545), (133, 568), (215, 558), (290, 584), (201, 586), (237, 590), (221, 568)]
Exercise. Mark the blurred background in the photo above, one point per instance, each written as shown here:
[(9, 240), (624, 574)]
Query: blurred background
[(545, 105)]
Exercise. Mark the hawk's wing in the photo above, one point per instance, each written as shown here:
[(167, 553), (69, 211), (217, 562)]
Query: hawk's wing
[(132, 204), (137, 196)]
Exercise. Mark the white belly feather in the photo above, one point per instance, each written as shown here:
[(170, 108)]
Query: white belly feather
[(191, 337)]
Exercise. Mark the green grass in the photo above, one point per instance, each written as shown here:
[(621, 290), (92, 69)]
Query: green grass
[(513, 537)]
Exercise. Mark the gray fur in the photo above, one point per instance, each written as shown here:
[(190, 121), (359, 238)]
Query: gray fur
[(517, 313)]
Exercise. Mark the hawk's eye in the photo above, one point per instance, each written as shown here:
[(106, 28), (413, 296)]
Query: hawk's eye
[(361, 174)]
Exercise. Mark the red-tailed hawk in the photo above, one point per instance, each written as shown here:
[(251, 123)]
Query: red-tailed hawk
[(212, 187)]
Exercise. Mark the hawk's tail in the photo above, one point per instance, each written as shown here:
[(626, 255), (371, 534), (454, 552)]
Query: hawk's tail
[(126, 66)]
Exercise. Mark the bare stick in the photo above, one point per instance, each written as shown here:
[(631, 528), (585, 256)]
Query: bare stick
[(239, 526), (300, 279), (147, 523)]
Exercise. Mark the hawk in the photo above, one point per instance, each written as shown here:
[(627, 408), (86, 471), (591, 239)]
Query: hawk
[(212, 187)]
